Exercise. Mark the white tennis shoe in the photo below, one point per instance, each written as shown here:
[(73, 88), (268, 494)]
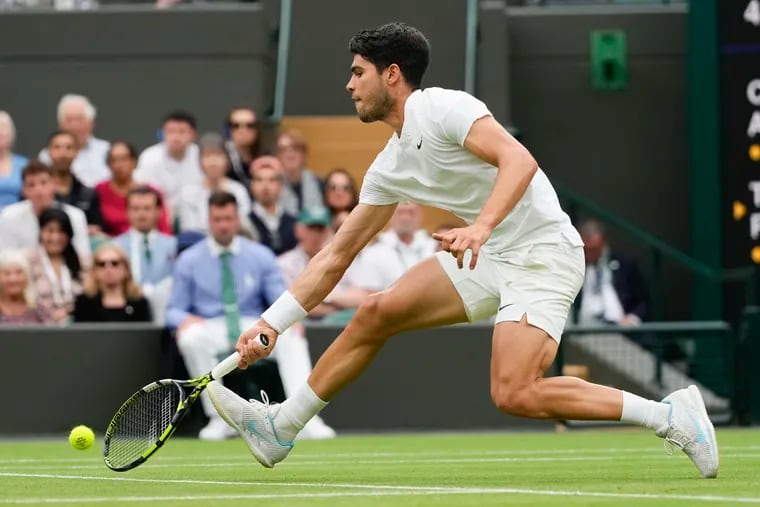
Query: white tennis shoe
[(254, 421), (689, 428)]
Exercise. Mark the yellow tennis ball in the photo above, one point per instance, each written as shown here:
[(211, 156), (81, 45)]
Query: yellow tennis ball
[(81, 437)]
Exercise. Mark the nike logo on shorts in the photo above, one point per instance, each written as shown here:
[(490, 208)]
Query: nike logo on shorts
[(505, 306)]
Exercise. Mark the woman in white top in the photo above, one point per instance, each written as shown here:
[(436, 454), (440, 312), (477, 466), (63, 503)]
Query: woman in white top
[(193, 205), (55, 267)]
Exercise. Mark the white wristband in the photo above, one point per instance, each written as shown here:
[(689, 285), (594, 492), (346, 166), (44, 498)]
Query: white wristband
[(284, 312)]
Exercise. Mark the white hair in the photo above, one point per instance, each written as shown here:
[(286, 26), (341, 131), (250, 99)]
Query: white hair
[(13, 257), (5, 119), (72, 99)]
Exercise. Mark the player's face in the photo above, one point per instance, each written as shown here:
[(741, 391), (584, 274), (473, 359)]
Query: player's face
[(38, 188), (143, 212), (371, 99), (53, 239), (223, 223), (178, 135), (63, 151)]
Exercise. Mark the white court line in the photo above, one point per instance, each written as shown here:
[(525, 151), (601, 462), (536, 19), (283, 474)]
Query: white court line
[(369, 455), (376, 490)]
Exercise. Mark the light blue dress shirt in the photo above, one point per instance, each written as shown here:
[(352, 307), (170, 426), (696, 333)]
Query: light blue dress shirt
[(10, 186), (197, 288)]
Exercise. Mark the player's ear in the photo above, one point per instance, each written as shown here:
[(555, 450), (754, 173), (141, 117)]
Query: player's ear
[(392, 74)]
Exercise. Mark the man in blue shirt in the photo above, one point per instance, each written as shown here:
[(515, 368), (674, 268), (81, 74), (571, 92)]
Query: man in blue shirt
[(222, 285)]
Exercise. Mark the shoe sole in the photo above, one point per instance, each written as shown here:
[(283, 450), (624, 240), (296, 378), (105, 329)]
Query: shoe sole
[(260, 457), (700, 403)]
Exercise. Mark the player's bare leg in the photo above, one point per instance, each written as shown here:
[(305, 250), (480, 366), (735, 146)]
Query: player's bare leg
[(521, 354), (423, 297)]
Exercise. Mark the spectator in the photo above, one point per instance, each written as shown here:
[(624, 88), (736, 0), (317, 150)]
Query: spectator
[(312, 231), (19, 222), (110, 295), (614, 292), (221, 285), (193, 205), (243, 133), (173, 163), (11, 163), (302, 187), (112, 193), (56, 270), (76, 114), (62, 149), (151, 253), (396, 250), (17, 304), (340, 191), (273, 224)]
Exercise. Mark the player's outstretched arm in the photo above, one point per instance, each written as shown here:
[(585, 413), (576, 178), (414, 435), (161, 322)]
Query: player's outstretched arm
[(490, 142), (320, 277)]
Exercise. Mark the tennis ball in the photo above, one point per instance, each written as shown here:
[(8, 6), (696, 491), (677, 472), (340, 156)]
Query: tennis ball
[(81, 437)]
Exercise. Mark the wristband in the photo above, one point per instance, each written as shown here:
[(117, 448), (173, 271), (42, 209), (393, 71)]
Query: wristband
[(284, 312)]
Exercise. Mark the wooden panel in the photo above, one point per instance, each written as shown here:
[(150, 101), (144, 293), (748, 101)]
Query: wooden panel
[(346, 142)]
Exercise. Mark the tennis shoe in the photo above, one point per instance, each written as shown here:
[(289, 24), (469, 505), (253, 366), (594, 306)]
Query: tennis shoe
[(689, 428), (254, 422)]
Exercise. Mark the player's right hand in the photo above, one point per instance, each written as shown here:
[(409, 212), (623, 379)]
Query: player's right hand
[(250, 347)]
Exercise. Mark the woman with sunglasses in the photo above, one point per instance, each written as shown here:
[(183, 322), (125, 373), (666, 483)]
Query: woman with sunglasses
[(243, 133), (340, 191), (110, 294), (56, 269)]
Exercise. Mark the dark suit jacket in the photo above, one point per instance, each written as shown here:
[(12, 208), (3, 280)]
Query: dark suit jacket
[(629, 285), (284, 240)]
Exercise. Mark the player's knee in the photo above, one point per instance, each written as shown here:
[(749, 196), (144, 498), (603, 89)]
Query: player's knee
[(512, 400), (376, 312)]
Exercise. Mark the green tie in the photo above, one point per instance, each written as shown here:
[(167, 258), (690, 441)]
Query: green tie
[(229, 297)]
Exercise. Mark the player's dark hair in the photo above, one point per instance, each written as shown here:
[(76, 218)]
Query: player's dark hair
[(145, 190), (220, 199), (183, 117), (70, 256), (33, 168), (396, 43)]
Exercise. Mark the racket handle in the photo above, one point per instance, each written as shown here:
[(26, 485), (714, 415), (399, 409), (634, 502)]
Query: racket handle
[(229, 363)]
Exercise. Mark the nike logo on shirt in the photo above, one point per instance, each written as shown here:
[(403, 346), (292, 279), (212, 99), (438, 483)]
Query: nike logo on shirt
[(505, 306), (419, 145)]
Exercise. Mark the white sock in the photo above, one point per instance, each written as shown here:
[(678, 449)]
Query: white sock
[(296, 411), (648, 413)]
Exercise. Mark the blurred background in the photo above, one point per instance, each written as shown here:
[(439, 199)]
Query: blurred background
[(645, 115)]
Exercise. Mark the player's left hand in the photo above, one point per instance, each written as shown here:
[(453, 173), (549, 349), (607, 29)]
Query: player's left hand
[(250, 347), (458, 241)]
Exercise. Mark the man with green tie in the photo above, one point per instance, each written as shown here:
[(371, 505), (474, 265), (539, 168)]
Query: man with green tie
[(220, 287)]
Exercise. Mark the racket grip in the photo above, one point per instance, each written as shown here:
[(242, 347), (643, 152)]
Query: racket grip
[(227, 365)]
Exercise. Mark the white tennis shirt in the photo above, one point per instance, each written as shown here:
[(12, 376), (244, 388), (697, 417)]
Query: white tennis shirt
[(429, 165)]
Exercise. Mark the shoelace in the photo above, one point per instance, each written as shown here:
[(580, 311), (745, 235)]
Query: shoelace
[(264, 399), (674, 438)]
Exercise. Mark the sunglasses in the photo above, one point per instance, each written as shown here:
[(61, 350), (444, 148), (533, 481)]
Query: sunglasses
[(113, 263), (248, 125), (340, 187)]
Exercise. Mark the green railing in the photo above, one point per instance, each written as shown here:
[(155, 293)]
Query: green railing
[(657, 251)]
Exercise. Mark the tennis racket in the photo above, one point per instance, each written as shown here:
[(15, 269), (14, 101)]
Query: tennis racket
[(151, 416)]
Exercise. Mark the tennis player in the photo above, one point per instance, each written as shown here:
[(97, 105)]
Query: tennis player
[(519, 258)]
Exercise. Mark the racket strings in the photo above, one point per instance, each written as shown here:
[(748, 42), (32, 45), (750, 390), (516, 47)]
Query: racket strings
[(141, 424)]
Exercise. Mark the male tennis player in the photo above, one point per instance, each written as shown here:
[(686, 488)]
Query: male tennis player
[(519, 259)]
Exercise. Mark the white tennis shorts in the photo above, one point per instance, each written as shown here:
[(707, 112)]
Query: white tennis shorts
[(539, 281)]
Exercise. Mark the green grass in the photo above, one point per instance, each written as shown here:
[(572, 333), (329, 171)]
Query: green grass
[(576, 468)]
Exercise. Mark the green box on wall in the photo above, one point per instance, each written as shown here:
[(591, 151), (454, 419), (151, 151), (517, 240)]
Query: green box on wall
[(609, 62)]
